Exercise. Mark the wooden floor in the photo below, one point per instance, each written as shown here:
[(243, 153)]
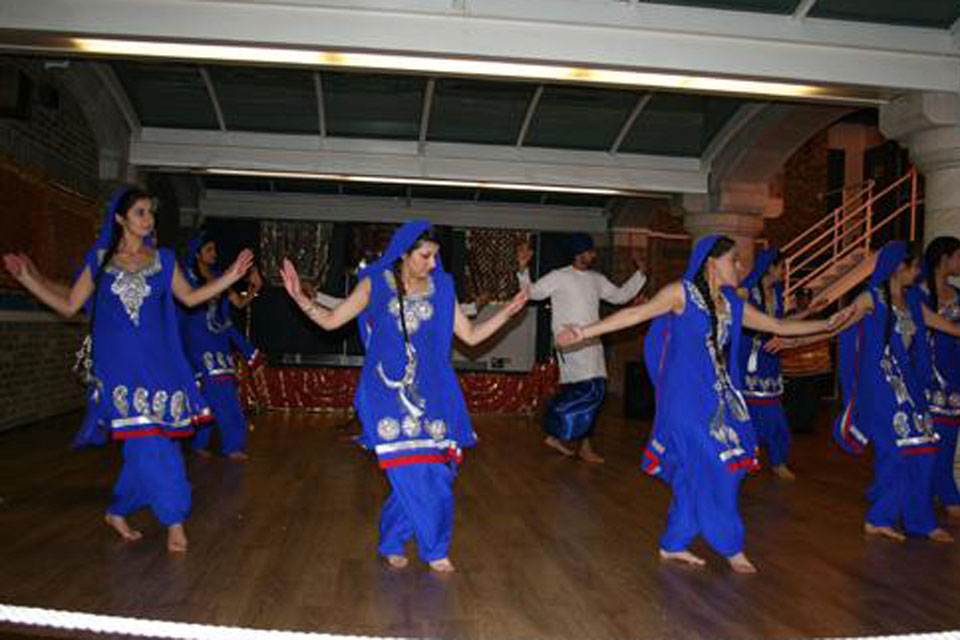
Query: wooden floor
[(546, 547)]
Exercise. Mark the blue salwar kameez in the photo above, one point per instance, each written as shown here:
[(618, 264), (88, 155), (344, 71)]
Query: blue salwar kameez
[(882, 371), (943, 396), (210, 340), (142, 388), (410, 404), (702, 443), (763, 376)]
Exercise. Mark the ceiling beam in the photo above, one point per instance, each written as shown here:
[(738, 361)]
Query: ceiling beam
[(528, 116), (214, 98), (321, 110), (803, 9), (647, 36), (191, 150), (218, 203), (628, 123)]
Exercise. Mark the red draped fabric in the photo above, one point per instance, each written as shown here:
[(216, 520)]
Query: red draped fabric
[(331, 388)]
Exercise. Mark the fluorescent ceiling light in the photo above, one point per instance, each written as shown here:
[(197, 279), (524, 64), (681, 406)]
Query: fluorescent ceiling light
[(432, 182), (466, 67)]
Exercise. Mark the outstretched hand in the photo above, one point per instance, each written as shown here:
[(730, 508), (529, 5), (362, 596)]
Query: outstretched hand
[(776, 344), (571, 335), (518, 301), (291, 282), (20, 266), (241, 265), (841, 317)]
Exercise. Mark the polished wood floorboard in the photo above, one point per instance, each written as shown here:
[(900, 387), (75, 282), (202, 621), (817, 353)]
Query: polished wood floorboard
[(545, 547)]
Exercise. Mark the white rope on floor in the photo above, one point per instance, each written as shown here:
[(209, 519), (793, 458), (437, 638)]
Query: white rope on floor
[(145, 628)]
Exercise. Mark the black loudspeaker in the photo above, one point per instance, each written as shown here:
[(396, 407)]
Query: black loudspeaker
[(638, 394)]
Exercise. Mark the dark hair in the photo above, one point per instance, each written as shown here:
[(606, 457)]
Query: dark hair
[(940, 248), (126, 202), (720, 248), (913, 253), (426, 236)]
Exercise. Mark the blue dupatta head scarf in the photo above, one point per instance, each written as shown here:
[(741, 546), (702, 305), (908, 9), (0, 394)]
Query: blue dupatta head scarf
[(655, 341), (765, 259), (190, 267), (401, 242)]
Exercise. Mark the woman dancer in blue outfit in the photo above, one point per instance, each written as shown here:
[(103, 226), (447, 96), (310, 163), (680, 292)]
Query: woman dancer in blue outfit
[(702, 442), (941, 261), (143, 391), (408, 399), (763, 377), (884, 368), (209, 339)]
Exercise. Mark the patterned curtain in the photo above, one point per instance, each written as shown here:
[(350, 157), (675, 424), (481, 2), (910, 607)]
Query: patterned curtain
[(491, 262), (306, 244)]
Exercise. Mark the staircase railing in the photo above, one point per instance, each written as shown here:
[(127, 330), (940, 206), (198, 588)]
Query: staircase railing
[(845, 232)]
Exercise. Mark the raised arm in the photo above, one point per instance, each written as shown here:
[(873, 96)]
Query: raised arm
[(755, 319), (937, 322), (860, 307), (191, 297), (670, 298), (475, 333), (65, 302), (243, 300), (624, 293), (331, 319)]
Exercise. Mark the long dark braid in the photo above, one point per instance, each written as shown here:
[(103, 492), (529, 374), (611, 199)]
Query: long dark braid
[(940, 248), (720, 247)]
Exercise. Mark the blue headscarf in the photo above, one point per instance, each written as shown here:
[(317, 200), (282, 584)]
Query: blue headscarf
[(760, 267), (401, 242), (190, 269), (655, 341), (890, 257)]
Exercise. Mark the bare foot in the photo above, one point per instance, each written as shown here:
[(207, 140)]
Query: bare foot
[(740, 564), (119, 524), (682, 556), (397, 562), (203, 453), (443, 565), (783, 472), (553, 443), (940, 535), (587, 454), (886, 532), (238, 456), (953, 511), (176, 539)]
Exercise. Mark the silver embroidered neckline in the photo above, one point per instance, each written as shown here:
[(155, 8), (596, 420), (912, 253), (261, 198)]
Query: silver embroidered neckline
[(132, 287)]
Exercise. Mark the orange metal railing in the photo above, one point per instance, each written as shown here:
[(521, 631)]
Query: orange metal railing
[(845, 232)]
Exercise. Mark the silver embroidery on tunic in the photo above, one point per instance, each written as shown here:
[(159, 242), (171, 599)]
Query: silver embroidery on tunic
[(132, 288), (388, 428), (160, 403), (120, 401), (141, 402), (176, 405)]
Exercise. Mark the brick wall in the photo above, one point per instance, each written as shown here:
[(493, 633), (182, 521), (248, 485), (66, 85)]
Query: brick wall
[(36, 380), (55, 139), (49, 181), (804, 183)]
